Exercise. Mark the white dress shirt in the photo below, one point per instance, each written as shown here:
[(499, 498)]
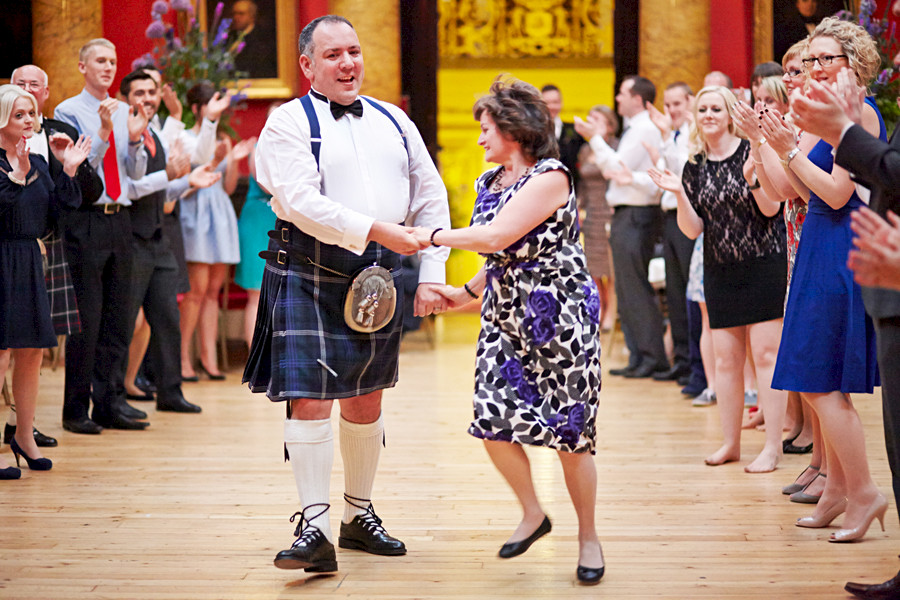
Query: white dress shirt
[(364, 175), (37, 143), (641, 191), (674, 154)]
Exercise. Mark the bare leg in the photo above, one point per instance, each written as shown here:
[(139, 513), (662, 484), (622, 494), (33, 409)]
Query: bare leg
[(4, 367), (581, 481), (25, 387), (730, 350), (209, 319), (139, 342), (848, 465), (250, 312), (198, 275), (764, 341), (706, 348), (512, 462)]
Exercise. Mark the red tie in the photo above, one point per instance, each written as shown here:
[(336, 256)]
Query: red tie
[(149, 142), (111, 170)]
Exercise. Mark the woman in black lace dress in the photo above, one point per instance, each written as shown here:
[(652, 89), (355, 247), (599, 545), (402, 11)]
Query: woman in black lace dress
[(744, 269)]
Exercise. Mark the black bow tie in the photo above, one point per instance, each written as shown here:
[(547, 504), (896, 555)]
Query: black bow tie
[(339, 110)]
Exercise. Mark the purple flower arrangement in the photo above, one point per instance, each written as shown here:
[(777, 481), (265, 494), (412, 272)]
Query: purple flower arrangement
[(186, 55), (887, 84)]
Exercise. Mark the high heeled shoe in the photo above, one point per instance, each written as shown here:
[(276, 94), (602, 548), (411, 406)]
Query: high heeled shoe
[(35, 464), (10, 473), (876, 511), (798, 487), (212, 377), (832, 513)]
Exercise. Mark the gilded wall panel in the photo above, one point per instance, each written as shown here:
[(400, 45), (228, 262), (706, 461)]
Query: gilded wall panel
[(674, 42), (377, 23)]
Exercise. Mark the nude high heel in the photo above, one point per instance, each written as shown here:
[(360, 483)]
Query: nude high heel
[(832, 513), (876, 511)]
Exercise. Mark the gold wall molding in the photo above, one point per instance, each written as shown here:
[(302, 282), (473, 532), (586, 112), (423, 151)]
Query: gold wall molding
[(674, 42), (59, 30), (377, 23), (525, 29)]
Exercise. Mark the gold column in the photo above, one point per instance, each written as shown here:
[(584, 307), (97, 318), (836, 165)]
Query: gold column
[(377, 23), (674, 42), (59, 29)]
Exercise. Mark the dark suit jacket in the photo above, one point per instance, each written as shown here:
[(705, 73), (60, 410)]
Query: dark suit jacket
[(876, 165), (90, 183), (569, 145)]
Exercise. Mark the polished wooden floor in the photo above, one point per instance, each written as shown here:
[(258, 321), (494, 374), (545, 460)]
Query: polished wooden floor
[(197, 506)]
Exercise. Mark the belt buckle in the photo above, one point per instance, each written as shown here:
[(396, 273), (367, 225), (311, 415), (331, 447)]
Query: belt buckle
[(110, 208), (281, 258), (285, 235)]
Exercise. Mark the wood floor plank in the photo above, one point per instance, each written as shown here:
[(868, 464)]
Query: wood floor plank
[(197, 505)]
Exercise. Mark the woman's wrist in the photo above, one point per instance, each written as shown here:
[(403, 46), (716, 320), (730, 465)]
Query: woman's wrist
[(433, 233), (469, 291)]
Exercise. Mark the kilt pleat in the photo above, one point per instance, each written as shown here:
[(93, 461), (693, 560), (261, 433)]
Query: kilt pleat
[(301, 347)]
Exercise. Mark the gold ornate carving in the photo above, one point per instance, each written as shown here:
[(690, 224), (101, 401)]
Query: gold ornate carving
[(497, 29)]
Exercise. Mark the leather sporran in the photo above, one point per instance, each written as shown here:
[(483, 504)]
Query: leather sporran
[(371, 300)]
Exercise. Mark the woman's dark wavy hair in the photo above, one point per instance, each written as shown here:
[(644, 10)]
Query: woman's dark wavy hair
[(520, 113)]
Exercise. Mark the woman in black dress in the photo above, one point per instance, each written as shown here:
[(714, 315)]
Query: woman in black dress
[(29, 201)]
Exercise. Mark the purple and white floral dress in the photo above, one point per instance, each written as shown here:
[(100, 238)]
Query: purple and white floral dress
[(537, 373)]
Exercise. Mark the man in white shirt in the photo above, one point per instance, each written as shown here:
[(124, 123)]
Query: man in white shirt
[(344, 200), (635, 223), (674, 126)]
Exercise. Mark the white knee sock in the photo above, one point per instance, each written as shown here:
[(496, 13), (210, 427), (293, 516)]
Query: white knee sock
[(310, 444), (360, 449)]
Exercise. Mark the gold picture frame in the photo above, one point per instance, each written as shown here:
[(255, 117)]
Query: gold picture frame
[(764, 25), (277, 15)]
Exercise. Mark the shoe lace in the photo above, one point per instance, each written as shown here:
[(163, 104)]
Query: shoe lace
[(369, 520), (305, 530)]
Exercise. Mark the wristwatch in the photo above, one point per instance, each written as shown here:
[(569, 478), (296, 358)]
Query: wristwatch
[(790, 156)]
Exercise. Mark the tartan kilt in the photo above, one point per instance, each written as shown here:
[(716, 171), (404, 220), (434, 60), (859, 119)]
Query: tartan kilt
[(63, 305), (301, 322)]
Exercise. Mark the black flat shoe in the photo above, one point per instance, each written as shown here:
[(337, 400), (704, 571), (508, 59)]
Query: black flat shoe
[(589, 576), (147, 397), (789, 448), (365, 533), (43, 441), (516, 548), (311, 551), (82, 425)]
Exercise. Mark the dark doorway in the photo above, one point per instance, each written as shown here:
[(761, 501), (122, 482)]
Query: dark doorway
[(419, 65)]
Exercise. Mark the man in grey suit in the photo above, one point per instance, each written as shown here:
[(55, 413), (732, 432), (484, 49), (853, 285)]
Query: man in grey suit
[(835, 117)]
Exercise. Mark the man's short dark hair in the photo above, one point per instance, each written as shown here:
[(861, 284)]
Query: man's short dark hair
[(305, 41), (643, 87), (137, 75), (550, 88), (680, 84)]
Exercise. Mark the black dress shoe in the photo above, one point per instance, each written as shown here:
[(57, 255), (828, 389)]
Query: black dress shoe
[(43, 441), (693, 389), (623, 370), (141, 398), (120, 421), (588, 575), (365, 533), (176, 403), (312, 552), (516, 548), (671, 374), (143, 383), (889, 590), (126, 410), (644, 371), (82, 425)]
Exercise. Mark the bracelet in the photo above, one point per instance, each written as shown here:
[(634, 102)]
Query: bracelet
[(469, 290), (15, 179), (756, 162), (786, 161), (433, 243)]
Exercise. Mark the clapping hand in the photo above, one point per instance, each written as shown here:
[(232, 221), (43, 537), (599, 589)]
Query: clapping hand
[(663, 121), (824, 110), (24, 163), (621, 176), (666, 180), (138, 118), (777, 132), (173, 104), (217, 105), (74, 154), (242, 149), (876, 259), (595, 124), (106, 109), (748, 120), (204, 176), (223, 147)]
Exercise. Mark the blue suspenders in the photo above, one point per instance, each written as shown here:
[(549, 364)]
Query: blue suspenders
[(315, 135)]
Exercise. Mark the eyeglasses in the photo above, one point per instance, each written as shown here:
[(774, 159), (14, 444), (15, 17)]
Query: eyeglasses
[(793, 73), (825, 61)]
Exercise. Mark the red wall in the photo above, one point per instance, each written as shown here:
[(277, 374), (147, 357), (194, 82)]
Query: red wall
[(124, 24), (731, 39)]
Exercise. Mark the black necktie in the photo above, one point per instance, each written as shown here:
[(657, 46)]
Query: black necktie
[(339, 110)]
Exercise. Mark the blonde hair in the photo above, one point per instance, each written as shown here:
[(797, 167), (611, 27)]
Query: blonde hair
[(8, 95), (775, 86), (856, 43), (86, 50), (697, 143), (796, 50)]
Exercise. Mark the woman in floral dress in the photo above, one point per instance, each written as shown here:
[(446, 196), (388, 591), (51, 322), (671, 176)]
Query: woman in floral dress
[(537, 377)]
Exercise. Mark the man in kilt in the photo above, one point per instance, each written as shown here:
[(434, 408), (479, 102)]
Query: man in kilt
[(349, 179)]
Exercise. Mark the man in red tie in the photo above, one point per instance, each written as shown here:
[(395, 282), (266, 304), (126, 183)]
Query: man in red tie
[(98, 245)]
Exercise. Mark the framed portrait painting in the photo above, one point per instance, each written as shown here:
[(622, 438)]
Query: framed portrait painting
[(268, 31), (778, 24)]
